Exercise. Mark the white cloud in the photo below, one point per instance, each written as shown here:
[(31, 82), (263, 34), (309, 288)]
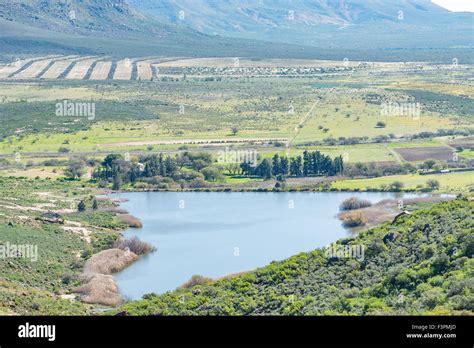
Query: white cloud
[(456, 5)]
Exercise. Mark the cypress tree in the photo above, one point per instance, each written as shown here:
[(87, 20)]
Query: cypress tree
[(264, 170), (299, 166), (306, 163), (284, 166), (276, 165)]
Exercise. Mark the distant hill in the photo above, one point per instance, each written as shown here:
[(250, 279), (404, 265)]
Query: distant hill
[(322, 23), (111, 27), (86, 17), (353, 29)]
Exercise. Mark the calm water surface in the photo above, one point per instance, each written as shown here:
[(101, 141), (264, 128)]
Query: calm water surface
[(215, 234)]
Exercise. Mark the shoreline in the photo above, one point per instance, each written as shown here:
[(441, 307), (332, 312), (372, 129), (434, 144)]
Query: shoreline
[(431, 198), (99, 286)]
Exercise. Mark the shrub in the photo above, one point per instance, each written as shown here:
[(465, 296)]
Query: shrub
[(81, 206), (196, 280), (212, 173), (433, 184), (396, 186), (440, 263), (75, 169), (135, 245), (353, 219), (63, 150), (354, 203)]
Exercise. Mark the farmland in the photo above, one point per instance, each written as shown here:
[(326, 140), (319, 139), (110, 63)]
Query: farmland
[(409, 114), (450, 182), (395, 126)]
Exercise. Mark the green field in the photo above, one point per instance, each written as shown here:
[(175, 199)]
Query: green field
[(265, 108), (450, 182)]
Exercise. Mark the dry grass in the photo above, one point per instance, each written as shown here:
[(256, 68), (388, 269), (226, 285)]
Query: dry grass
[(135, 245), (99, 286), (353, 219), (109, 261), (384, 211), (131, 221), (100, 289)]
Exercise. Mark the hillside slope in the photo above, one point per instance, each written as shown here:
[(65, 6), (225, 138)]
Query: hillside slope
[(322, 23), (353, 29), (106, 27), (422, 264)]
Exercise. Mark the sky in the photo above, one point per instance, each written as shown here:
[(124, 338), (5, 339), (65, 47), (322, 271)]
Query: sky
[(456, 5)]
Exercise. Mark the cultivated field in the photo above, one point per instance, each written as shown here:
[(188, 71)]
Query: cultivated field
[(8, 70), (145, 69), (101, 71), (38, 68), (449, 182), (34, 70), (80, 69), (59, 68), (424, 153), (148, 109), (123, 70)]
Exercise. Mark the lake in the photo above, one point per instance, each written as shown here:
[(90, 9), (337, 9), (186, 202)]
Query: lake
[(215, 234)]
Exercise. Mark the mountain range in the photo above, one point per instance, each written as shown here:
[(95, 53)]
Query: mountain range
[(326, 29), (321, 23)]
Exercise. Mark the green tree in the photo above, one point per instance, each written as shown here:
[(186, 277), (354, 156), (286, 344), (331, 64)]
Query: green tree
[(75, 169), (433, 184), (81, 206), (429, 163), (296, 166), (264, 169), (396, 186), (284, 166), (117, 182), (276, 165), (338, 165), (212, 173), (306, 163)]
